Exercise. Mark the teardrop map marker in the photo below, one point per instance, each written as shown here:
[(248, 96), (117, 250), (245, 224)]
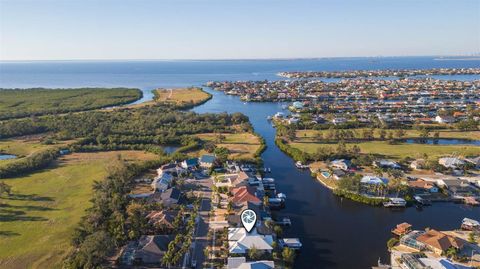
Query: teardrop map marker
[(249, 218)]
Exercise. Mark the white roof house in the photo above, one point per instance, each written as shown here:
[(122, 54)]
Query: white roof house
[(450, 162), (239, 241), (162, 182), (241, 263), (373, 180)]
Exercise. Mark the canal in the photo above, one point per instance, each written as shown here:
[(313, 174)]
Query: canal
[(335, 232)]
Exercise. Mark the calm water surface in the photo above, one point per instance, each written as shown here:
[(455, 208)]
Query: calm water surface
[(7, 157), (335, 233)]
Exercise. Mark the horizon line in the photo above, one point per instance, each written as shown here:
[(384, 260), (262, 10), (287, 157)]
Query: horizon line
[(473, 55)]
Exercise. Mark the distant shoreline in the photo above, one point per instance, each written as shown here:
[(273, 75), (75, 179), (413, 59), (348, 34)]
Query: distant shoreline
[(435, 57), (458, 59)]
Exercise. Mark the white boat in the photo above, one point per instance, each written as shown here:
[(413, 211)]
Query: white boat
[(299, 165), (293, 243), (395, 202)]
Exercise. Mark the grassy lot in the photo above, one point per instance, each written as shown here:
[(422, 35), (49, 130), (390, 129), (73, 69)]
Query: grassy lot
[(240, 145), (37, 221), (24, 146), (396, 151), (25, 102), (309, 135), (182, 96)]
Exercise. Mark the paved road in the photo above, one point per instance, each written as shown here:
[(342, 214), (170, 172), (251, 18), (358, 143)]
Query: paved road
[(201, 232)]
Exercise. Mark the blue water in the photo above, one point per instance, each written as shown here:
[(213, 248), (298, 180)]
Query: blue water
[(336, 233), (148, 75), (7, 157)]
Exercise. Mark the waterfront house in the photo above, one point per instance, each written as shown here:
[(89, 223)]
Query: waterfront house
[(293, 243), (162, 182), (458, 187), (341, 164), (206, 161), (338, 174), (171, 197), (470, 225), (241, 263), (297, 105), (439, 242), (240, 242), (402, 229), (422, 186), (373, 180), (421, 261), (293, 120), (190, 163), (243, 195), (410, 240), (241, 178)]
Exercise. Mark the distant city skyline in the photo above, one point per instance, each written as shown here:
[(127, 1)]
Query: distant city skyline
[(248, 29)]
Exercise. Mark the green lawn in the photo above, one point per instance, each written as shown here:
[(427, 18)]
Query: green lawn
[(16, 103), (24, 146), (310, 134), (37, 221), (181, 96), (397, 151), (240, 145)]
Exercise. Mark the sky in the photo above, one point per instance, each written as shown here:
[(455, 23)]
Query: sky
[(236, 29)]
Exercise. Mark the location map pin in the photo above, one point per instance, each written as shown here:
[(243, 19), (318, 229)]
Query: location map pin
[(248, 217)]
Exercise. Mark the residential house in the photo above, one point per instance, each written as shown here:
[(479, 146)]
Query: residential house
[(241, 263), (241, 179), (297, 105), (444, 119), (451, 162), (373, 180), (162, 182), (439, 242), (421, 185), (338, 174), (470, 224), (421, 261), (341, 164), (239, 241), (475, 161), (338, 120), (386, 164), (190, 163), (167, 168), (206, 161), (151, 249), (162, 220), (417, 164), (171, 197), (293, 243), (458, 187), (293, 120), (243, 195)]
